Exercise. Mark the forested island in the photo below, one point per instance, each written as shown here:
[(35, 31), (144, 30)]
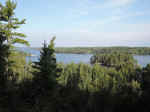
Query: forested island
[(112, 83), (94, 50)]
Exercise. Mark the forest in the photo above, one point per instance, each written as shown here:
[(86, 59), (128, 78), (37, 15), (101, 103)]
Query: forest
[(114, 82), (95, 50)]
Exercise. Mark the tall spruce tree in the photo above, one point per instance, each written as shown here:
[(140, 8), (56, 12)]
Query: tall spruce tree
[(8, 26), (4, 52), (8, 37), (44, 77), (46, 68)]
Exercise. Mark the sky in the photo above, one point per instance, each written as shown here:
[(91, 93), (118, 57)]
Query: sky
[(86, 22)]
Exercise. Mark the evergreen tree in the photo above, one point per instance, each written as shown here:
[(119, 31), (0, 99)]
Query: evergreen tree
[(146, 88), (46, 69), (44, 76), (11, 23), (8, 37), (8, 26), (4, 52)]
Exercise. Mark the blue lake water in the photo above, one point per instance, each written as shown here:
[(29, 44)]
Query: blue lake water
[(143, 60)]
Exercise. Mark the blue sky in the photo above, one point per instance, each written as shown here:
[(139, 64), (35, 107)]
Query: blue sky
[(86, 22)]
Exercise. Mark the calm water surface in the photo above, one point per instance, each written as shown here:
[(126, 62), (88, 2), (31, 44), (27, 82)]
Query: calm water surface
[(143, 60)]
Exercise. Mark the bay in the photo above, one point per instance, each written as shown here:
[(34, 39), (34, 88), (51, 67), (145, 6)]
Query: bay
[(142, 60)]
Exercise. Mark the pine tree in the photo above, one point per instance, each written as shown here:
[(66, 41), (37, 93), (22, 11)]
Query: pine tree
[(11, 24), (8, 26), (4, 52), (8, 37)]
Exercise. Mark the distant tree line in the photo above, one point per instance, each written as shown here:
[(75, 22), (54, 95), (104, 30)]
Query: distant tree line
[(114, 82), (95, 50)]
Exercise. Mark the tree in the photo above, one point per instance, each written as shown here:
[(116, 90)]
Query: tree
[(11, 23), (146, 88), (46, 68), (44, 76), (4, 52), (8, 37), (8, 25)]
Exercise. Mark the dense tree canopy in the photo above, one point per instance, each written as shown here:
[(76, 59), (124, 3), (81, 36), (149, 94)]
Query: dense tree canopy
[(114, 60)]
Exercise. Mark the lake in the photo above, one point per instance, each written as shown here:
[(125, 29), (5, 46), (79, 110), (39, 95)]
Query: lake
[(143, 60)]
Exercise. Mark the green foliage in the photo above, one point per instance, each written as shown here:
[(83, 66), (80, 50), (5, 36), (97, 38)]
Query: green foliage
[(8, 24), (44, 78), (101, 50), (98, 84), (4, 52), (19, 65), (11, 23), (117, 60), (146, 87), (45, 69)]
